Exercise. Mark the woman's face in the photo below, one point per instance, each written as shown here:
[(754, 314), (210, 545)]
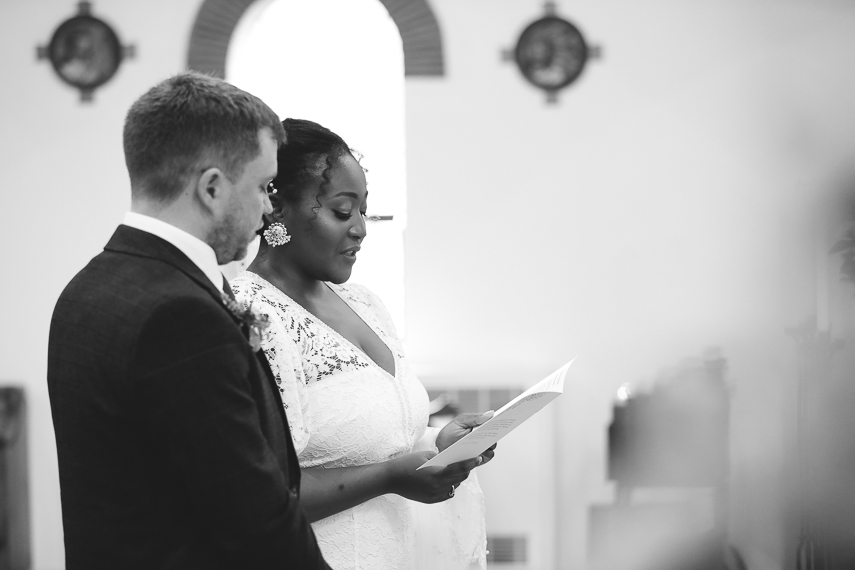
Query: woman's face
[(328, 225)]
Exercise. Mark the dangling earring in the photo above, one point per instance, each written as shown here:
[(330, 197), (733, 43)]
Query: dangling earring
[(276, 234)]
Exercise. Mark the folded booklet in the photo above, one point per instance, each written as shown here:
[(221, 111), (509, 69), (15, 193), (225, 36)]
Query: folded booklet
[(504, 421)]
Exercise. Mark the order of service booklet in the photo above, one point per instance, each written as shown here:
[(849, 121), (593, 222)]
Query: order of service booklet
[(504, 421)]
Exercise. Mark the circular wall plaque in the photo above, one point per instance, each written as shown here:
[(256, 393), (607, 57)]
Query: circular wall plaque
[(85, 52), (551, 53)]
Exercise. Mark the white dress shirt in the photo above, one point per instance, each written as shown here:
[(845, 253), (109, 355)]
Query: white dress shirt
[(199, 252)]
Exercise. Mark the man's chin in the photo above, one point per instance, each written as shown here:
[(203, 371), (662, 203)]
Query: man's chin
[(240, 254), (224, 257)]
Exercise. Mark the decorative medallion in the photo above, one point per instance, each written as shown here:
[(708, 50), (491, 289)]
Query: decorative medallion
[(85, 52), (551, 53)]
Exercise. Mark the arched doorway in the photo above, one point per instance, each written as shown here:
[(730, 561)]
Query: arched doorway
[(216, 20), (234, 39)]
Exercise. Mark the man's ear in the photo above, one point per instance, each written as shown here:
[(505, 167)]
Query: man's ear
[(211, 189)]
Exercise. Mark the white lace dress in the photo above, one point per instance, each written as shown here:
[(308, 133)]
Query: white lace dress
[(343, 409)]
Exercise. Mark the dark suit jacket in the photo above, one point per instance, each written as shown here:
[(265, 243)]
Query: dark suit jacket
[(174, 451)]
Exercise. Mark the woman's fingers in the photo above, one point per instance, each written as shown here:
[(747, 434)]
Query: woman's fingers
[(488, 454), (435, 484), (466, 465), (460, 426)]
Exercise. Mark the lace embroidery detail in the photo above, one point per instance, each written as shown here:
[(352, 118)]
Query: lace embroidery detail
[(322, 354)]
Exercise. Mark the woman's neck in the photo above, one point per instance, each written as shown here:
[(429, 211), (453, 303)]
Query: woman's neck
[(303, 289)]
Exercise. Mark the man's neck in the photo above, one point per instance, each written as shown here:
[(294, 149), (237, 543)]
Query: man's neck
[(176, 213)]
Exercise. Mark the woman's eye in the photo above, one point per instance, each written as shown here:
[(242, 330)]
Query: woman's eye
[(343, 215)]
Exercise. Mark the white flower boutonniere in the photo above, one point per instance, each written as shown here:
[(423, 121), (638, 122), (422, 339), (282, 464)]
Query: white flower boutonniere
[(252, 322)]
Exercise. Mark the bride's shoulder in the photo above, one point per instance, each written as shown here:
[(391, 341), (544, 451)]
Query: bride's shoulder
[(370, 302), (245, 285), (358, 293), (251, 288)]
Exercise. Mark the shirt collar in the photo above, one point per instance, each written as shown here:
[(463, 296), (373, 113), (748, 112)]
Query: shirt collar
[(199, 252)]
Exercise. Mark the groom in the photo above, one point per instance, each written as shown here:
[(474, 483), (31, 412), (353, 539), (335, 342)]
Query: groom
[(174, 450)]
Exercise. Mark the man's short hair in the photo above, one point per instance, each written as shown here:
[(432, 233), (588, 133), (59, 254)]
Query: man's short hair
[(189, 123)]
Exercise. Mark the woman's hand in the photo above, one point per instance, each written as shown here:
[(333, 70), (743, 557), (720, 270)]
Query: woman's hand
[(326, 492), (460, 426), (431, 484)]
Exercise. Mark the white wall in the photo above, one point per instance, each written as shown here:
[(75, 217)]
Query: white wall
[(65, 190), (648, 215), (640, 220)]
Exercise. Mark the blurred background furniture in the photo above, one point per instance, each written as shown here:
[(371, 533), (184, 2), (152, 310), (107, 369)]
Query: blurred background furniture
[(668, 457), (14, 488)]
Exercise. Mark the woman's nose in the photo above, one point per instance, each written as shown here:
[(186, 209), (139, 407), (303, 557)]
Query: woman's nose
[(358, 229)]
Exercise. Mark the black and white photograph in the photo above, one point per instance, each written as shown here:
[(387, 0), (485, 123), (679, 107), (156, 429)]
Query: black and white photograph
[(427, 285)]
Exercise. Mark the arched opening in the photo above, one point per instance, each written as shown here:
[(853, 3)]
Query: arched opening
[(216, 20), (214, 30), (339, 63)]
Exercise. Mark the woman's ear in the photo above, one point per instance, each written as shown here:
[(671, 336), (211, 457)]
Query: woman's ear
[(280, 207)]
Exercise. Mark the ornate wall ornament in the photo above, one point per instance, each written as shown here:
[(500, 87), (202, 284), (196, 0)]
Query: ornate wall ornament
[(551, 53), (85, 52)]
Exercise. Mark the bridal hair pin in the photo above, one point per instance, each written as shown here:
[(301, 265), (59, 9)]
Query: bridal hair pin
[(271, 189), (276, 234)]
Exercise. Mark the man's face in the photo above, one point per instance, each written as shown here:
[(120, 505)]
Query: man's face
[(247, 201)]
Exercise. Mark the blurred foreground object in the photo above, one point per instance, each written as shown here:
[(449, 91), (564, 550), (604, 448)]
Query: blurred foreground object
[(668, 456), (14, 491), (825, 449)]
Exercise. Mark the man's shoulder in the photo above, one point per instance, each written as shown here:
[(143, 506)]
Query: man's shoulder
[(123, 302), (130, 287), (125, 274)]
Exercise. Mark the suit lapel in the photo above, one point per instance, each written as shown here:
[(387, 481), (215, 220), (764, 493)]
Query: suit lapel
[(131, 241)]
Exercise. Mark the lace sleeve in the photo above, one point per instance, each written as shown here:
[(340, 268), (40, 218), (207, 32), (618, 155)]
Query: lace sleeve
[(283, 354)]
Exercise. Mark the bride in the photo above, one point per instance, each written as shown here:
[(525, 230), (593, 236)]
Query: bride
[(357, 413)]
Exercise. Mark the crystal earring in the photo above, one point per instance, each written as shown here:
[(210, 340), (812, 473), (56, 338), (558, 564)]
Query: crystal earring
[(276, 234)]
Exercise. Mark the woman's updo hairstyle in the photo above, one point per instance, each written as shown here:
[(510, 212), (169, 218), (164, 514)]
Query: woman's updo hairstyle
[(306, 157)]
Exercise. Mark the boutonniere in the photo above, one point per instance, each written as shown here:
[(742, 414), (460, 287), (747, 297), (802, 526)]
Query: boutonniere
[(252, 322)]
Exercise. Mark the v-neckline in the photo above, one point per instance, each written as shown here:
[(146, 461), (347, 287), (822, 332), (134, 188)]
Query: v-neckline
[(334, 332)]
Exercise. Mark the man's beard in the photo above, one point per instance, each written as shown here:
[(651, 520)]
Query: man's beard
[(227, 242)]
